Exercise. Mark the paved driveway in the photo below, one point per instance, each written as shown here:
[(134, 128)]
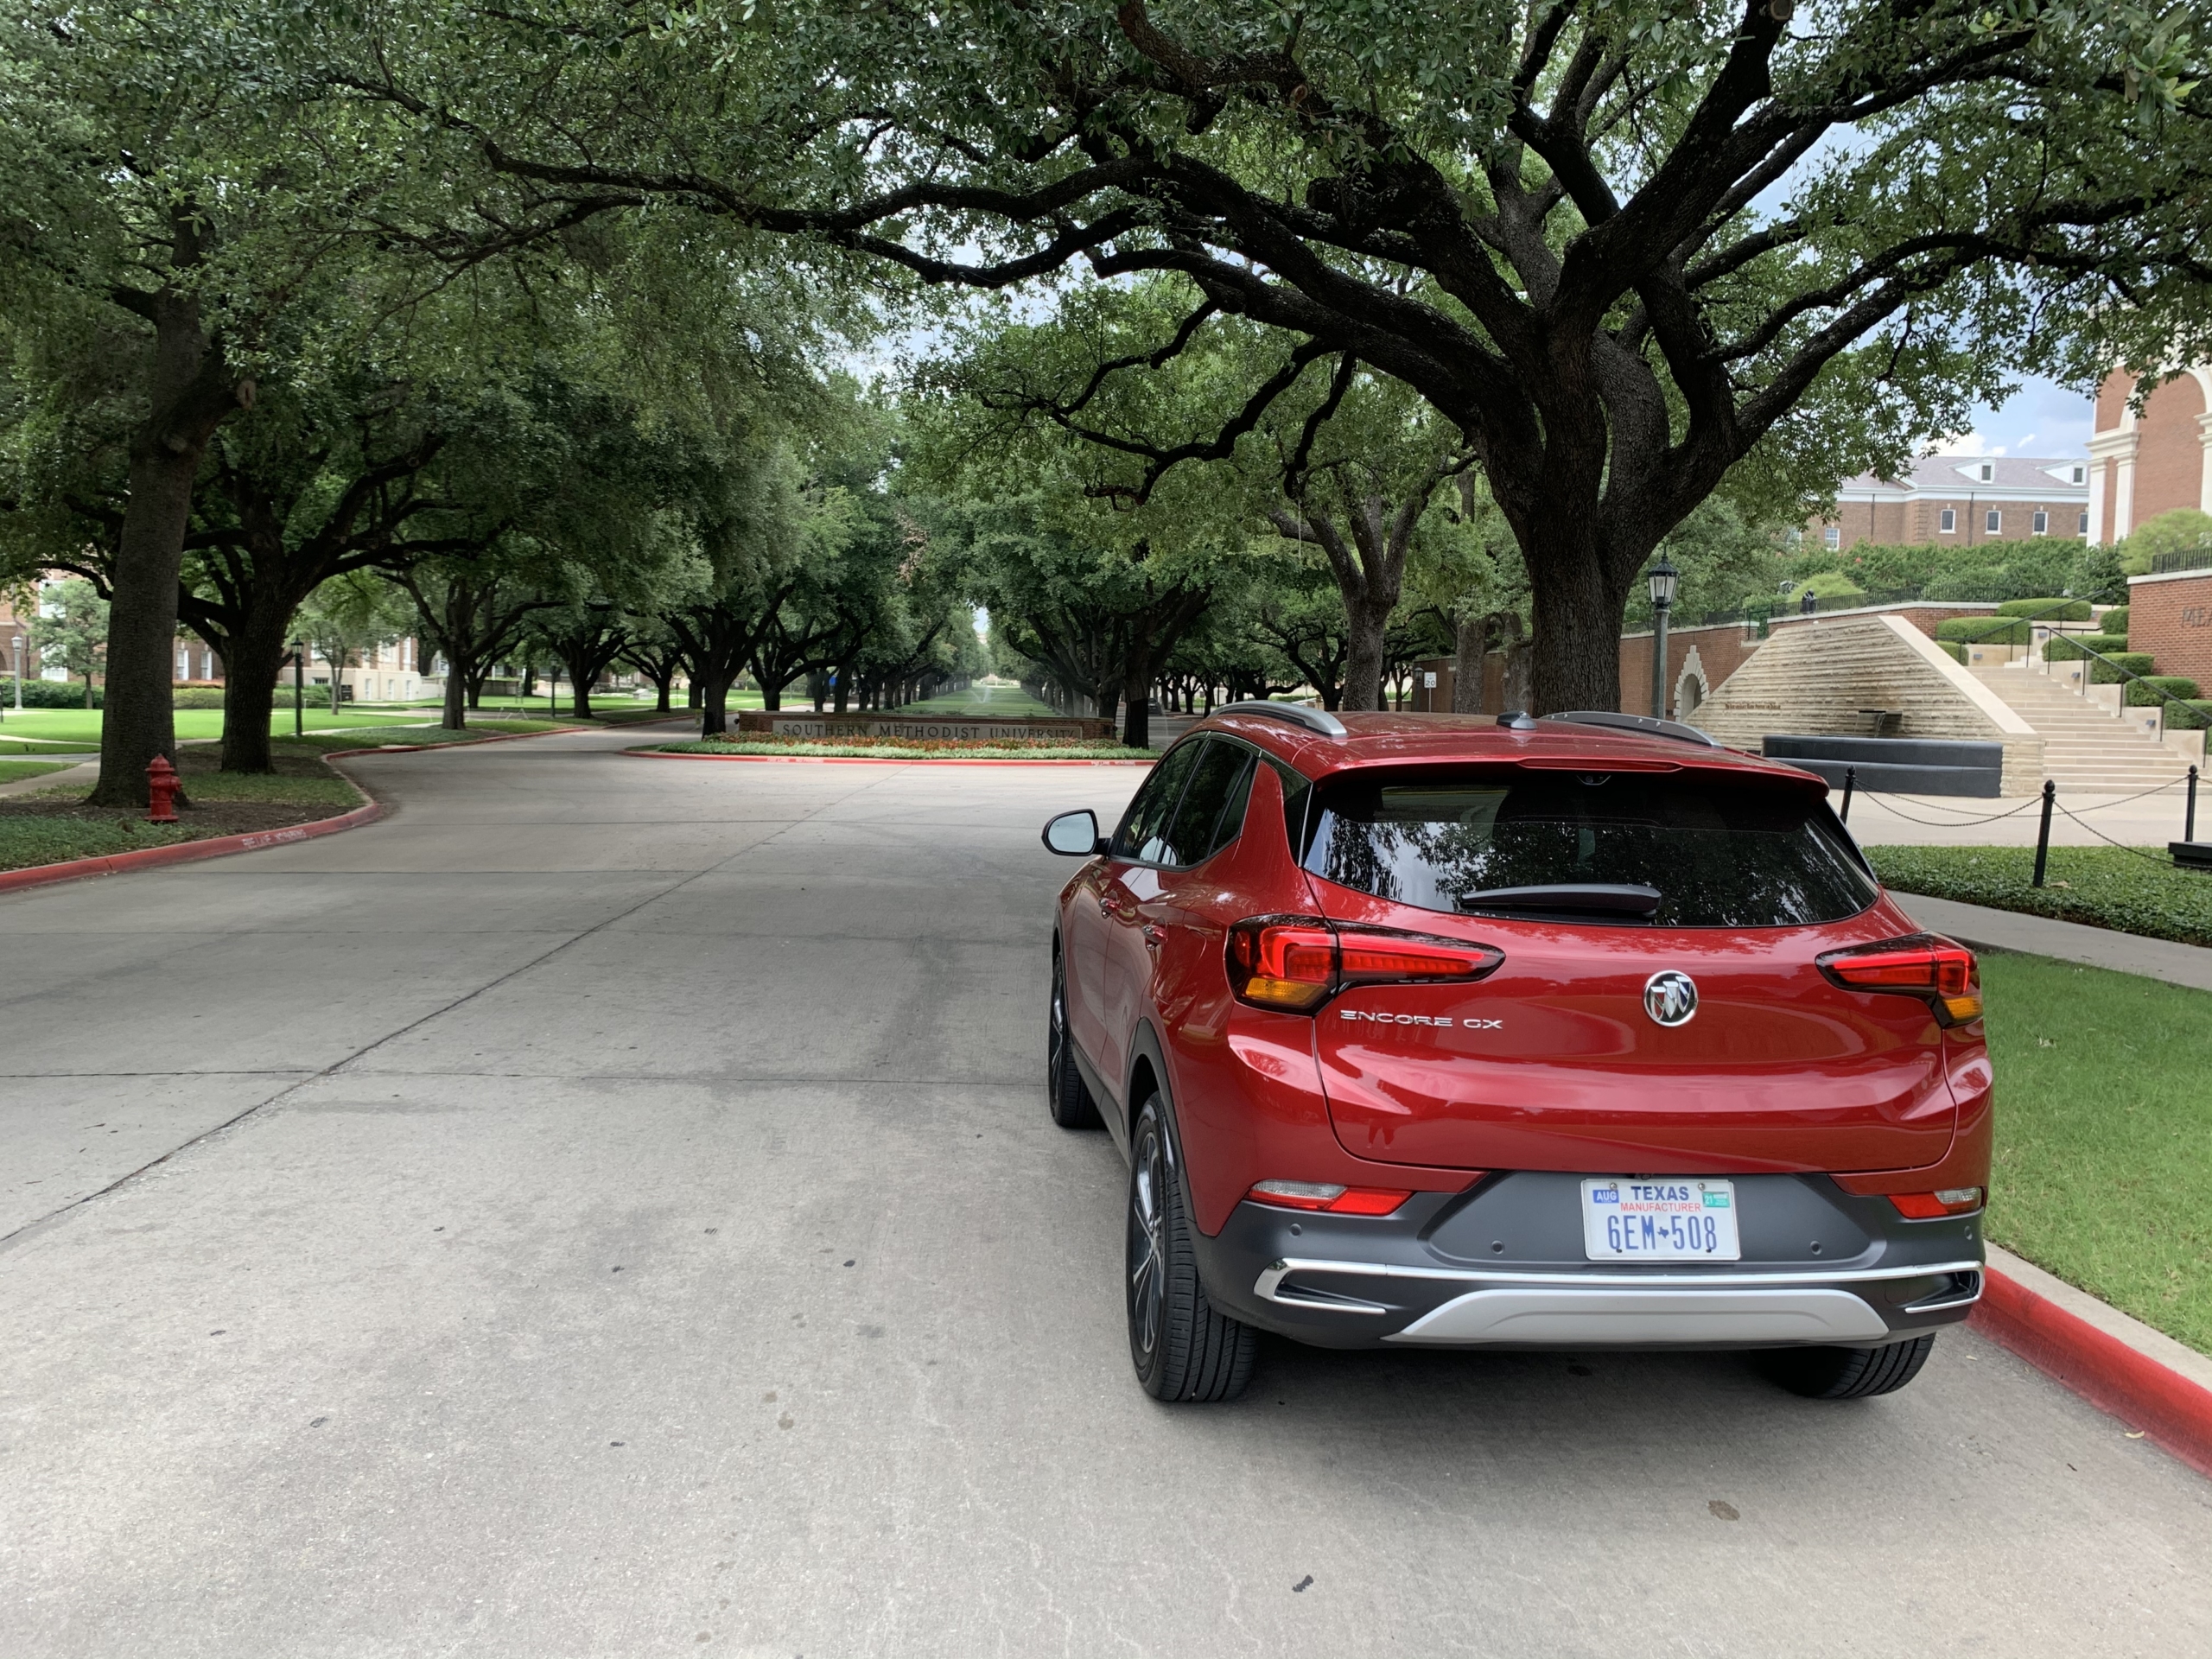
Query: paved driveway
[(609, 1209)]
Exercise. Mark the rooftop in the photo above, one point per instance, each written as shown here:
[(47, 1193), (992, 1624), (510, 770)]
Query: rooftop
[(2055, 478)]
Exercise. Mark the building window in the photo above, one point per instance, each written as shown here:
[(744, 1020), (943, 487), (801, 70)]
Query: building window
[(1986, 471), (1994, 522), (1833, 535), (2084, 529), (184, 662), (2042, 525), (2080, 472), (1949, 524)]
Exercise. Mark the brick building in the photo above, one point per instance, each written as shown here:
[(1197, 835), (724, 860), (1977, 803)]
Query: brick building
[(2144, 465), (1961, 501)]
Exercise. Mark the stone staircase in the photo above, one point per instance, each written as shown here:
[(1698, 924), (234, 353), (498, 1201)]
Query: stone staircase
[(2084, 747)]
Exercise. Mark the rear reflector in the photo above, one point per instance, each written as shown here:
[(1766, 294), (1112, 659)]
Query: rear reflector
[(1927, 1206), (1329, 1198), (1941, 973), (1298, 963)]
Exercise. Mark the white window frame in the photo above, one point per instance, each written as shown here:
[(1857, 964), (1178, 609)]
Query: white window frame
[(1831, 537), (1993, 522), (1947, 523), (2084, 529), (2040, 525), (1988, 472)]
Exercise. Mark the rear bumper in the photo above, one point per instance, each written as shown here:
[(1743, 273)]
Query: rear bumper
[(1414, 1278)]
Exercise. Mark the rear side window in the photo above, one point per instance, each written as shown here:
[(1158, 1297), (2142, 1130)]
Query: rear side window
[(1213, 804), (1142, 836), (1722, 853)]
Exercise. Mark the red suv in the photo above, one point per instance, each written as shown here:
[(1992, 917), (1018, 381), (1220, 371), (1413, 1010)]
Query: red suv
[(1550, 1033)]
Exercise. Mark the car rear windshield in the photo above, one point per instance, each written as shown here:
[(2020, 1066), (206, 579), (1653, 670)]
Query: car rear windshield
[(1721, 852)]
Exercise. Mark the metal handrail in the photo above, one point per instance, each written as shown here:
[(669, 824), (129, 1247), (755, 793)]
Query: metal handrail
[(2127, 675)]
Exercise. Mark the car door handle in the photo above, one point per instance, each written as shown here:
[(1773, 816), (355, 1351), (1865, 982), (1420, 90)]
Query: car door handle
[(1105, 905), (1154, 936)]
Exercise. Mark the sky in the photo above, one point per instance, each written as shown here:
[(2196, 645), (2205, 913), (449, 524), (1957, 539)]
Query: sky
[(2041, 419)]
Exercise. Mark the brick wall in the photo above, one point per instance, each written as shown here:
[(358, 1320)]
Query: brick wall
[(1921, 521), (1720, 651), (2170, 617), (2170, 456)]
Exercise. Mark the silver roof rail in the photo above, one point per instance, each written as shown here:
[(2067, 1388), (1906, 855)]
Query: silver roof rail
[(1645, 725), (1318, 721)]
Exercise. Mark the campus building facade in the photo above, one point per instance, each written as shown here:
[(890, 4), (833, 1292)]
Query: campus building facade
[(1963, 501), (2142, 465)]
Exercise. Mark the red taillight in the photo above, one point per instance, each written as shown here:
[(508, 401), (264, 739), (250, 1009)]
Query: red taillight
[(1329, 1198), (1299, 963), (1939, 972), (1930, 1206)]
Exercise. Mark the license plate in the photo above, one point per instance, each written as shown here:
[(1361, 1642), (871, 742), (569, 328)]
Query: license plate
[(1625, 1220)]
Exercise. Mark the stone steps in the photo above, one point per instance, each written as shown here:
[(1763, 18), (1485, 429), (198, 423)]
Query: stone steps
[(2083, 746)]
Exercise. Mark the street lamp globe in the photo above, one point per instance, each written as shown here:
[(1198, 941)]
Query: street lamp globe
[(1661, 577)]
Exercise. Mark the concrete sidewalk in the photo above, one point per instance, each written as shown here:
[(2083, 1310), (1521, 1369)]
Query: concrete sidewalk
[(2040, 936)]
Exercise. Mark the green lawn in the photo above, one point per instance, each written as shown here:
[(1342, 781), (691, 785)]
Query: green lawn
[(979, 702), (26, 841), (2134, 891), (82, 725), (2104, 1135), (16, 771)]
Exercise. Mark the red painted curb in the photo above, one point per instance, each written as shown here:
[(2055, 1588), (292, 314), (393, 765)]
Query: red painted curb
[(2101, 1367), (185, 852), (881, 760)]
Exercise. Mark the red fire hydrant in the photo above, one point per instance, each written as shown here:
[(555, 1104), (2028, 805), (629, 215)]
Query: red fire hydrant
[(161, 786)]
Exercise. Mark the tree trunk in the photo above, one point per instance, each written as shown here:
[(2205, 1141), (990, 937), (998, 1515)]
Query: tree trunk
[(191, 391), (1576, 624), (1136, 690), (1470, 643), (253, 664), (713, 716), (772, 696), (843, 686), (454, 718), (88, 693), (1364, 622)]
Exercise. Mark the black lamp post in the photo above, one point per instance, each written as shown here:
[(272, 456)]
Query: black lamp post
[(299, 687), (1661, 577)]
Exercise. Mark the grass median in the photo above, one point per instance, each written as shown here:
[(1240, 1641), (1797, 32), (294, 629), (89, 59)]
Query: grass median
[(2104, 1135), (2130, 890), (13, 772), (52, 826)]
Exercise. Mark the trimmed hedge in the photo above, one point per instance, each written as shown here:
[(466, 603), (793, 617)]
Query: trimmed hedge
[(2114, 621), (2194, 716), (2141, 694), (2129, 890), (1983, 630), (49, 694), (197, 697), (2064, 648), (1952, 648), (2046, 610), (2109, 671)]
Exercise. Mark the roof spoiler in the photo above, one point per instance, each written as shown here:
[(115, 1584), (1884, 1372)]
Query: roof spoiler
[(1319, 721), (1644, 725)]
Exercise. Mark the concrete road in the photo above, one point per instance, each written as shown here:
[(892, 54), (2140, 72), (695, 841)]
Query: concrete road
[(609, 1209)]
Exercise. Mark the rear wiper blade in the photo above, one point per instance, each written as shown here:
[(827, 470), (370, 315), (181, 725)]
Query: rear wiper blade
[(1584, 899)]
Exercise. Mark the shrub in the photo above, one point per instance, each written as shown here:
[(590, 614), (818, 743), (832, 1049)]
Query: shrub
[(2114, 622), (1956, 651), (2109, 672), (49, 694), (197, 697), (2194, 716), (2066, 647), (2098, 574), (2046, 610), (1983, 630), (2142, 693)]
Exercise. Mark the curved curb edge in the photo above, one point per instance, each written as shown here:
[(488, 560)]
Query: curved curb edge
[(2132, 1386), (185, 852), (881, 760)]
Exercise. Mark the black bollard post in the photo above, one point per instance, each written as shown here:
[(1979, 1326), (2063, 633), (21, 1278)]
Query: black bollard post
[(1850, 778), (2043, 837), (2189, 817)]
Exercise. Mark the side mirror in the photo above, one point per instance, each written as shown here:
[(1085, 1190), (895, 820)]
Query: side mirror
[(1073, 835)]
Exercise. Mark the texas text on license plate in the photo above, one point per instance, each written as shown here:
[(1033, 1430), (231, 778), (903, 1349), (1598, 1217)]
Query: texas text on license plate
[(1659, 1220)]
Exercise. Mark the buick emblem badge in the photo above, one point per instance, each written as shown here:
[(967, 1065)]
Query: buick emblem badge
[(1670, 997)]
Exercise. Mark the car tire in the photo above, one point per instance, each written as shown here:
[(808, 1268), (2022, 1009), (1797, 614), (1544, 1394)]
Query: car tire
[(1070, 1103), (1848, 1373), (1182, 1348)]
